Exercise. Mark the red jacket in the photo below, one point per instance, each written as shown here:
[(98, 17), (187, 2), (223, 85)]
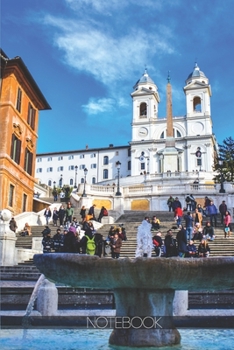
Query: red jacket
[(178, 212)]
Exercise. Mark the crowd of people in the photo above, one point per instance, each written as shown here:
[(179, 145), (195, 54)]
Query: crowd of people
[(195, 226)]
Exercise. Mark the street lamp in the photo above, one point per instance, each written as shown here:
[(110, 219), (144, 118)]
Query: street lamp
[(118, 164), (222, 190), (76, 167), (85, 174), (61, 181)]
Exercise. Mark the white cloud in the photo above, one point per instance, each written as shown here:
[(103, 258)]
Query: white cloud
[(107, 58), (98, 106)]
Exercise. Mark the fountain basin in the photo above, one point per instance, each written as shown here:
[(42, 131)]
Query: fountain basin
[(143, 287)]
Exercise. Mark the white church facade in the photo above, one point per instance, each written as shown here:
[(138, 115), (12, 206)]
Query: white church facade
[(172, 145)]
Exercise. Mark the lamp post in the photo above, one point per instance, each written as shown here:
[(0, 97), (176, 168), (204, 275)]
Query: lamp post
[(61, 181), (222, 190), (118, 193), (76, 167), (85, 174)]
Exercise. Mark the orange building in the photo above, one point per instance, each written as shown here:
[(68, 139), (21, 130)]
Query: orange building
[(20, 103)]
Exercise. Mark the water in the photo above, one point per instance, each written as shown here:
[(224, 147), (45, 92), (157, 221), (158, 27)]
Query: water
[(82, 339)]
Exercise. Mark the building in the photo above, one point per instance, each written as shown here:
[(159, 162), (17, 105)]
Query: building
[(182, 144), (21, 100)]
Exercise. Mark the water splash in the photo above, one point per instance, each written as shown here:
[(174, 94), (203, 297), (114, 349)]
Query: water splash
[(30, 306)]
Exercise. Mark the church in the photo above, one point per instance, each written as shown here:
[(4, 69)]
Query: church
[(171, 146)]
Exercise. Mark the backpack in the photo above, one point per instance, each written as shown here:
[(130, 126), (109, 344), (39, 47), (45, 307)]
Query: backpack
[(91, 246)]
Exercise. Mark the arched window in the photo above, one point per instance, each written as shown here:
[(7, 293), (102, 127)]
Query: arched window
[(50, 183), (93, 180), (71, 182), (129, 165), (162, 135), (197, 104), (105, 160), (105, 174), (143, 110)]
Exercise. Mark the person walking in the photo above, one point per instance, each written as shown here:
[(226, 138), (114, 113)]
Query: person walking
[(181, 238), (222, 210), (170, 202), (13, 225), (189, 225), (212, 213), (47, 214)]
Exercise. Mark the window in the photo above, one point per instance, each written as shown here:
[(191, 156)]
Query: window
[(93, 155), (50, 183), (19, 100), (71, 157), (49, 170), (178, 134), (142, 166), (11, 195), (82, 166), (93, 180), (31, 116), (117, 153), (71, 182), (60, 158), (60, 168), (105, 174), (49, 159), (24, 206), (39, 170), (129, 165), (82, 180), (199, 162), (71, 167), (39, 160), (162, 135), (105, 160), (81, 156), (197, 104), (15, 148), (129, 152), (93, 166), (143, 110), (28, 161)]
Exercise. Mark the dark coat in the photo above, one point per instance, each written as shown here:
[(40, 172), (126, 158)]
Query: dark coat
[(182, 241), (70, 243)]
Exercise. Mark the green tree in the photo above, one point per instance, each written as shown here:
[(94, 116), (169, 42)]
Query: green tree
[(225, 168)]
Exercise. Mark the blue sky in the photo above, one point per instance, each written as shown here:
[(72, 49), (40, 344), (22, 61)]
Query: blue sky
[(86, 56)]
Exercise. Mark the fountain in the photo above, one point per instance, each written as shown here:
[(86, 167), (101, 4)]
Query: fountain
[(144, 288)]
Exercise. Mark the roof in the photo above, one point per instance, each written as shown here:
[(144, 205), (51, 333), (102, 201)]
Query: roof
[(145, 78), (197, 73), (17, 61)]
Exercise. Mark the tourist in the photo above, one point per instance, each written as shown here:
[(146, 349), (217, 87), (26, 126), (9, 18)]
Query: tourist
[(83, 213), (103, 212), (207, 202), (170, 245), (201, 210), (212, 213), (188, 201), (13, 225), (69, 213), (46, 231), (26, 230), (157, 243), (181, 238), (227, 225), (47, 214), (176, 204), (55, 217), (57, 240), (70, 241), (99, 243), (155, 224), (208, 232), (144, 239), (170, 202), (222, 210), (61, 215), (203, 249), (55, 194), (92, 212), (197, 232), (191, 250), (87, 243), (47, 243), (178, 216), (189, 225), (197, 216), (116, 244)]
